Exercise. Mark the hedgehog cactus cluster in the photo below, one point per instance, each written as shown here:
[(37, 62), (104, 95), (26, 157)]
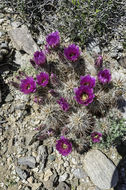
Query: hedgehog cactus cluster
[(69, 100)]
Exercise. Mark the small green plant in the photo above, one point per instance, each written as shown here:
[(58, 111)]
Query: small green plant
[(114, 134)]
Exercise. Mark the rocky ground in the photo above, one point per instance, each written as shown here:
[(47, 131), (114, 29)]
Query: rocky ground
[(26, 164)]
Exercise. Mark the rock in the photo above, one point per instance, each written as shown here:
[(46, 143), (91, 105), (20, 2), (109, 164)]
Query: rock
[(66, 164), (36, 186), (54, 178), (47, 174), (30, 179), (63, 186), (28, 161), (122, 61), (114, 54), (22, 174), (75, 183), (22, 40), (100, 169), (63, 177), (42, 157), (79, 173), (22, 59), (16, 24), (93, 188), (51, 158), (74, 161), (9, 98), (30, 137)]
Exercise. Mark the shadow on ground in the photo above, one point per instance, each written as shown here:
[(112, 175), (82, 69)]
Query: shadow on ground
[(4, 88), (121, 185)]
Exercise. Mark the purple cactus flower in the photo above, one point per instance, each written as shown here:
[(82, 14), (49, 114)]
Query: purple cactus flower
[(53, 39), (43, 79), (63, 103), (87, 81), (84, 95), (39, 57), (99, 61), (96, 137), (72, 52), (64, 146), (104, 76), (50, 132), (28, 85)]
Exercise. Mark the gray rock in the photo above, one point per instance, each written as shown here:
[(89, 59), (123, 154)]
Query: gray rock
[(114, 54), (122, 61), (63, 177), (22, 174), (51, 158), (42, 157), (120, 47), (22, 40), (9, 98), (15, 24), (28, 161), (79, 173), (63, 186), (100, 169)]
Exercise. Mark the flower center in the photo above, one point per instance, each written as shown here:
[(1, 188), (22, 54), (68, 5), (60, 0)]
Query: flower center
[(96, 136), (64, 146), (86, 83), (43, 80), (84, 97), (28, 86), (72, 54)]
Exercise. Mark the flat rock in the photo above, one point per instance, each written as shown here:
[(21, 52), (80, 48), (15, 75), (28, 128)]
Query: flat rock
[(28, 161), (42, 157), (79, 173), (22, 40), (63, 186), (100, 169), (22, 174)]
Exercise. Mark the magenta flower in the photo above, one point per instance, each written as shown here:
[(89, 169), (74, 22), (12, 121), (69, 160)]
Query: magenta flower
[(99, 61), (87, 81), (84, 95), (53, 39), (104, 76), (64, 146), (39, 57), (63, 103), (43, 79), (96, 136), (28, 85), (72, 52)]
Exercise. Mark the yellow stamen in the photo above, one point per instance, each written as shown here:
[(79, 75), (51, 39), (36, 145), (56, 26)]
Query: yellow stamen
[(64, 146), (43, 80), (86, 84), (28, 86), (84, 97), (96, 136)]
